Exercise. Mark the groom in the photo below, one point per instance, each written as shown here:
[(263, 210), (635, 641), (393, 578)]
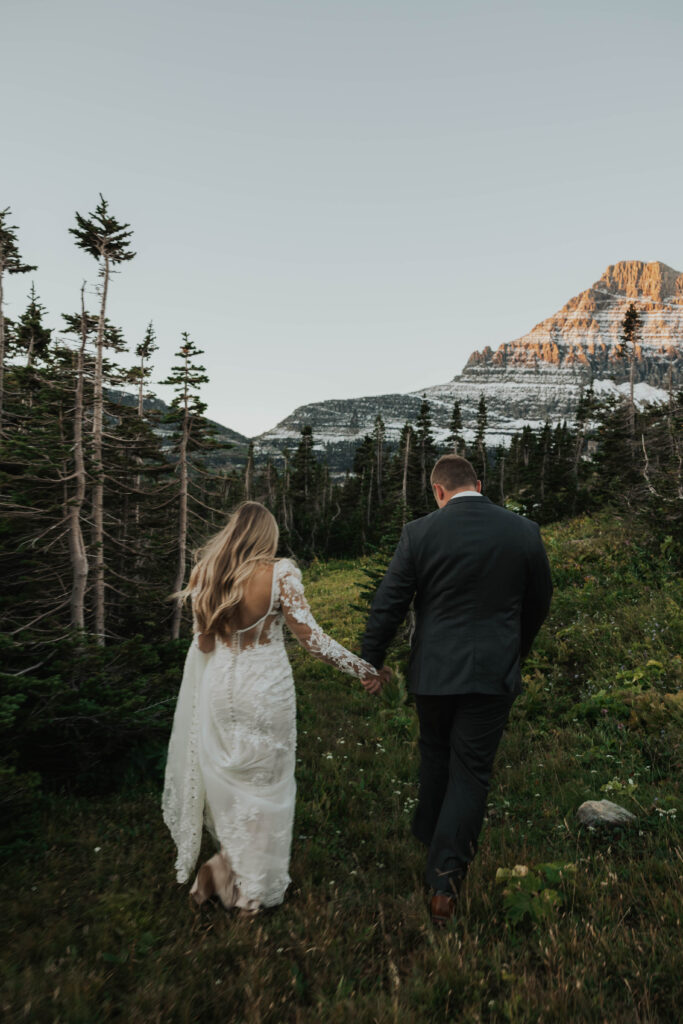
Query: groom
[(481, 583)]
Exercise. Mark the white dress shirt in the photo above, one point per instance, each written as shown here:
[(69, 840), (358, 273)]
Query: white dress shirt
[(466, 494)]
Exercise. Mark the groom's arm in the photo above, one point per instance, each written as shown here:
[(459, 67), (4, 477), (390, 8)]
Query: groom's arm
[(390, 603)]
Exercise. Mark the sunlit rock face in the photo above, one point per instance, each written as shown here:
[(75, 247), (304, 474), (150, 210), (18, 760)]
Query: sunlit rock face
[(585, 334), (535, 378)]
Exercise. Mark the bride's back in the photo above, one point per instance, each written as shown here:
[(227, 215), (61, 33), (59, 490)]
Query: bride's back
[(255, 602), (251, 610)]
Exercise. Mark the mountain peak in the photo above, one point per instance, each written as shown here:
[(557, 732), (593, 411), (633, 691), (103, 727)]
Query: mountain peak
[(636, 280), (534, 379)]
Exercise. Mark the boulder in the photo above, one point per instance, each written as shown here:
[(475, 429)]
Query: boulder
[(604, 812)]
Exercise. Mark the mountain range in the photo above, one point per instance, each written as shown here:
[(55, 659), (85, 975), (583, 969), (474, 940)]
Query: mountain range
[(532, 379)]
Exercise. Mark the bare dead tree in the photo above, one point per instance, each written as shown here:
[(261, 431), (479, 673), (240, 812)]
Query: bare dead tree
[(646, 467), (249, 473), (108, 241), (406, 463), (79, 558)]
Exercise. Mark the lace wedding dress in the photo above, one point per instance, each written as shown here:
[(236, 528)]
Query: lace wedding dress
[(231, 756)]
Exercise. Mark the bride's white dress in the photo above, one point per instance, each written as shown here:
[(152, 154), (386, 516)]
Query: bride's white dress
[(231, 756)]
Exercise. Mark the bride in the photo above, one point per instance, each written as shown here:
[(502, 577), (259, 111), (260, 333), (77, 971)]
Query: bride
[(232, 750)]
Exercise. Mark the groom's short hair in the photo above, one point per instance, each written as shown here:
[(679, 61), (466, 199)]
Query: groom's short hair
[(453, 472)]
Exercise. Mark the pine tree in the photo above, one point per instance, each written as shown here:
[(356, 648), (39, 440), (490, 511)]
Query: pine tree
[(585, 411), (144, 351), (305, 491), (107, 241), (364, 471), (545, 440), (11, 262), (630, 335), (480, 438), (185, 377), (426, 451), (455, 440), (30, 334), (378, 441)]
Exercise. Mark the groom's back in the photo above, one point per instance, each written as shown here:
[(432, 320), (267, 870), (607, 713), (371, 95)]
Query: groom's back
[(481, 582)]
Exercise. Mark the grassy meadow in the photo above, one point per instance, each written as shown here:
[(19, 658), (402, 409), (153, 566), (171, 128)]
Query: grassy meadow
[(94, 927)]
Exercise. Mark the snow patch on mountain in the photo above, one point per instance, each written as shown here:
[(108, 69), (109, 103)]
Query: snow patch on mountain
[(643, 393)]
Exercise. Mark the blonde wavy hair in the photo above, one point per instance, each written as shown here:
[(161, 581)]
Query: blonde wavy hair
[(225, 563)]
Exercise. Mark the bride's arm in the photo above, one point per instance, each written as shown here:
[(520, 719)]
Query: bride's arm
[(301, 622)]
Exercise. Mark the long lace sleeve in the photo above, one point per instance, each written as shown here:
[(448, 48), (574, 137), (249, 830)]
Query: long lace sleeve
[(301, 622)]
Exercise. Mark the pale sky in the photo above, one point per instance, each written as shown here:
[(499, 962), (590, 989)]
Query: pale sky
[(340, 197)]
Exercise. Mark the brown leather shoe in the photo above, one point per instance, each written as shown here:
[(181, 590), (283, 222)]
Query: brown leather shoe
[(442, 908)]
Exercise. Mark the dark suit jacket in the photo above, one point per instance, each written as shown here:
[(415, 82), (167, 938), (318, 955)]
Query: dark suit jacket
[(482, 588)]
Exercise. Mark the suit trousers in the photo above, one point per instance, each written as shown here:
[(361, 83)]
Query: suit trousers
[(459, 736)]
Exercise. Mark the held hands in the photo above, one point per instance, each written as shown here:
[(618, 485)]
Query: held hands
[(374, 684)]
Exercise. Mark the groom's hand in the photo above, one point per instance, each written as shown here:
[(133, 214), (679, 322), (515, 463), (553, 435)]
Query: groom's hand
[(373, 684)]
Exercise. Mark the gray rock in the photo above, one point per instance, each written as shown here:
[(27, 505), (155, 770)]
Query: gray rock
[(604, 812)]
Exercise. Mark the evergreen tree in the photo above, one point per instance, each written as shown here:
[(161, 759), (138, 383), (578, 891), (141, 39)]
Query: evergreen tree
[(585, 411), (364, 471), (455, 440), (305, 492), (630, 334), (544, 443), (480, 439), (33, 475), (11, 262), (107, 240), (186, 377), (404, 486), (144, 351), (427, 454), (378, 440), (30, 334)]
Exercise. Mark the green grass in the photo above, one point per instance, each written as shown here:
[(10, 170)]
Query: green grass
[(95, 928)]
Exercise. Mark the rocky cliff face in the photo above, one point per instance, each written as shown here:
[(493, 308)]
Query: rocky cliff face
[(585, 334), (530, 380)]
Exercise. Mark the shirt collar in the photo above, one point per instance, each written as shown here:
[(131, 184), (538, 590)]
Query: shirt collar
[(465, 494)]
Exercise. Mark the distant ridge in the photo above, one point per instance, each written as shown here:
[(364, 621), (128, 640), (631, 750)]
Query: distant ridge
[(532, 379)]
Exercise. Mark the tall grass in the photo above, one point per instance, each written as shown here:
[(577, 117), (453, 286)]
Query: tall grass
[(95, 928)]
